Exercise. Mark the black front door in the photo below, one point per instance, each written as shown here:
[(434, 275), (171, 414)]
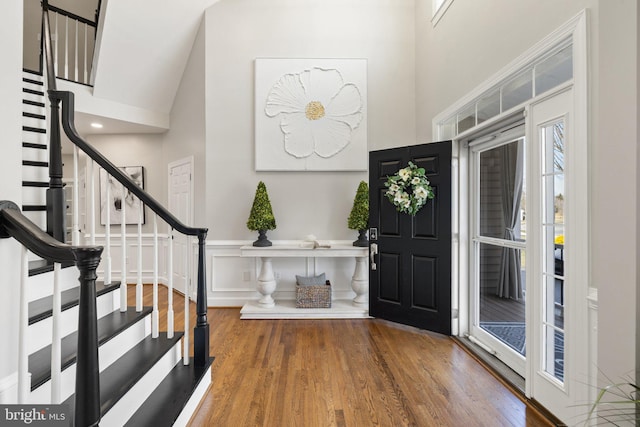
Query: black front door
[(410, 276)]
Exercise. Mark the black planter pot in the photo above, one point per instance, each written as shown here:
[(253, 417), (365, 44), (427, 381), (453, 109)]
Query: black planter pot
[(262, 241), (362, 239)]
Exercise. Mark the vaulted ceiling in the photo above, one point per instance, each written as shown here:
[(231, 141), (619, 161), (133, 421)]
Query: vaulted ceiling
[(142, 49)]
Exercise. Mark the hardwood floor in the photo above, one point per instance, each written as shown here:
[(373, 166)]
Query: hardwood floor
[(345, 373)]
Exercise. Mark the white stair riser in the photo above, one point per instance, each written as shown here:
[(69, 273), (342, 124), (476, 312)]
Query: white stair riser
[(34, 196), (34, 122), (193, 402), (32, 86), (28, 108), (39, 334), (34, 137), (41, 285), (39, 218), (35, 173), (130, 402), (32, 76), (108, 353), (33, 96), (35, 154)]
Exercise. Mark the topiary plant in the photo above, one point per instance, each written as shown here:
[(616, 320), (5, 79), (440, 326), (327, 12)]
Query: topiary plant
[(261, 217), (359, 216)]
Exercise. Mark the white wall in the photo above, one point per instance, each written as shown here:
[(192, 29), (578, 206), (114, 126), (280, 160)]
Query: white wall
[(476, 39), (134, 150), (237, 32), (614, 187), (186, 137), (10, 160)]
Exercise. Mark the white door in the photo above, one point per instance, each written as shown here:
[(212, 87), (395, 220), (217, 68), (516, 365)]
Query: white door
[(498, 246), (181, 205), (556, 275)]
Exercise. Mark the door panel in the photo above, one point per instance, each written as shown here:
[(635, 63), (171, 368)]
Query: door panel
[(180, 202), (411, 282), (390, 274)]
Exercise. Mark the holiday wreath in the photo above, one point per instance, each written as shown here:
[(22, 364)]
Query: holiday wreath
[(409, 189)]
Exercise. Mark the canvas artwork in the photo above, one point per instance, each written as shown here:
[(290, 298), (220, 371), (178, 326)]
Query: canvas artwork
[(311, 114), (115, 201)]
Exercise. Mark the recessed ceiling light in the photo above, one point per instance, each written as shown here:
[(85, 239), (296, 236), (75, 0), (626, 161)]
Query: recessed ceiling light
[(96, 125)]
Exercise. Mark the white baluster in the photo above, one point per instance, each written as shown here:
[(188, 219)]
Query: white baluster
[(66, 47), (123, 238), (23, 357), (56, 339), (107, 231), (155, 315), (92, 204), (76, 55), (75, 236), (55, 59), (84, 58), (170, 290), (185, 340), (139, 287)]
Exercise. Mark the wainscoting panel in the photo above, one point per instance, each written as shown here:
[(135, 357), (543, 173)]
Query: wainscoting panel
[(232, 279)]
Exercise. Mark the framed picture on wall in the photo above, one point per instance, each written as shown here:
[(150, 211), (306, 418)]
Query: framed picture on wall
[(115, 201), (310, 114)]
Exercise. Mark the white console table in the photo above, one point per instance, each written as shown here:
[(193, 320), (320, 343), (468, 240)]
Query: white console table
[(267, 308)]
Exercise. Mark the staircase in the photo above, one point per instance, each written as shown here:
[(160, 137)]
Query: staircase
[(143, 380), (35, 153)]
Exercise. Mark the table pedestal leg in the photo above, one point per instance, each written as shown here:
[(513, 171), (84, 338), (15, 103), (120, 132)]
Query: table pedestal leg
[(360, 283), (266, 283)]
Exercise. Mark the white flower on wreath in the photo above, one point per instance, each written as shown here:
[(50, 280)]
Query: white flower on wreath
[(318, 112), (420, 192)]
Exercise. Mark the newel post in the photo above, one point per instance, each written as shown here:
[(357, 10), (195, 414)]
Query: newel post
[(55, 192), (87, 397), (201, 330)]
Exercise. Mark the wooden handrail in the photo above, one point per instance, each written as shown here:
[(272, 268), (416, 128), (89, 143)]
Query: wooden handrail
[(72, 15), (68, 124), (47, 46), (201, 330), (14, 224), (55, 193)]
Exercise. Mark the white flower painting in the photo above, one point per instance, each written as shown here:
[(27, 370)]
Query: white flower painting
[(312, 118)]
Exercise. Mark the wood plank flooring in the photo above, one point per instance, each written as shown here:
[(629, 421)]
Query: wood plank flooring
[(353, 372)]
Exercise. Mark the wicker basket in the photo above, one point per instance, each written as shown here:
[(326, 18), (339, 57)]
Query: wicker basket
[(314, 296)]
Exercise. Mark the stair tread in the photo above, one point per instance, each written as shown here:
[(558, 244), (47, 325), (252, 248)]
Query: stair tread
[(33, 208), (166, 402), (40, 184), (108, 327), (33, 92), (41, 308), (35, 163), (33, 115), (34, 82), (33, 129), (117, 379), (34, 145), (34, 103)]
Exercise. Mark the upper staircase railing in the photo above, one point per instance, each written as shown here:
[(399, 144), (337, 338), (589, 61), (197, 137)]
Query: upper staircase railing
[(87, 390), (73, 44)]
